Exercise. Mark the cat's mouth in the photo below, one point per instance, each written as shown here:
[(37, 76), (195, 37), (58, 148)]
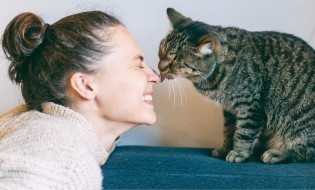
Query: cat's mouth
[(181, 73), (170, 72), (167, 75)]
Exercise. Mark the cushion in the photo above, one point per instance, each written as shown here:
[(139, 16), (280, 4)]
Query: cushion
[(148, 167)]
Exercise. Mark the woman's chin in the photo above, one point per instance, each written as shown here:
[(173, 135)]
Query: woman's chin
[(151, 120)]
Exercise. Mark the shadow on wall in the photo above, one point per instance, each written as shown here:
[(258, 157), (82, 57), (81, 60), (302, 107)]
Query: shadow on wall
[(185, 117)]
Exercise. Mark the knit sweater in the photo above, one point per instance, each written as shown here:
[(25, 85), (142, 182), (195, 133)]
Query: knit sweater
[(53, 149)]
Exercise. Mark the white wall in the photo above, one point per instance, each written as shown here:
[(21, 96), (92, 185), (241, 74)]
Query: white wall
[(195, 121)]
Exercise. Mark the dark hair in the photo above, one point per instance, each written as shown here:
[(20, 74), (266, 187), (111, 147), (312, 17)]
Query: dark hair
[(43, 57)]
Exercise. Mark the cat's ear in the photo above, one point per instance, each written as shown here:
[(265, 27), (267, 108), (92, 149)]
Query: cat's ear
[(176, 18), (206, 47), (210, 45)]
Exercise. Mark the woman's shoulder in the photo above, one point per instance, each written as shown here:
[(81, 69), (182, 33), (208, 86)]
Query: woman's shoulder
[(56, 131), (22, 119), (4, 118), (45, 148), (31, 128)]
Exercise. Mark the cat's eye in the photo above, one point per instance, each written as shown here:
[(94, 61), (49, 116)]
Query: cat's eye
[(171, 56), (206, 48)]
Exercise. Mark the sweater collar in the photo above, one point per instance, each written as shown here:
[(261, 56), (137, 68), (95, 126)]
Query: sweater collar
[(76, 119)]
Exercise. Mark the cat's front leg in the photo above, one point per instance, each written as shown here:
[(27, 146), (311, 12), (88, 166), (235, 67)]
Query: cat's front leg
[(246, 131), (229, 128)]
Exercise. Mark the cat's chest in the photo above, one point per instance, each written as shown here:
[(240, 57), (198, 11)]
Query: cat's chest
[(221, 93), (222, 96), (232, 89)]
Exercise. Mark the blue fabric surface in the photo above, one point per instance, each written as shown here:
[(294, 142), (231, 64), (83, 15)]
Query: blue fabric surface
[(145, 167)]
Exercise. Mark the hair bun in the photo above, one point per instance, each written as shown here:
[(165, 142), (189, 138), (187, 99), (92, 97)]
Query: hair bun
[(21, 37)]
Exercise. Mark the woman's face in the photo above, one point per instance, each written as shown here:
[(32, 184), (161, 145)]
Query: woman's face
[(125, 83)]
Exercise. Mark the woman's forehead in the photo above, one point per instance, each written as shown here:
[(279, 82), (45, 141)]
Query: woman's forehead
[(124, 42)]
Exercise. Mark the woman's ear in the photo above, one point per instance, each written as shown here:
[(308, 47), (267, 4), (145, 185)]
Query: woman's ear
[(82, 84)]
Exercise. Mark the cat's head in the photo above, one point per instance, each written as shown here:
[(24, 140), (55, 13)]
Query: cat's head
[(192, 49)]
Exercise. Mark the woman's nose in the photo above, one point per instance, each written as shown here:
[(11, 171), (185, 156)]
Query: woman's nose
[(155, 77)]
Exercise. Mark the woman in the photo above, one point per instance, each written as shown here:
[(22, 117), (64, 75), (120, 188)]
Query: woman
[(85, 82)]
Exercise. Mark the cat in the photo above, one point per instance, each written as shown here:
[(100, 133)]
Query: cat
[(264, 81)]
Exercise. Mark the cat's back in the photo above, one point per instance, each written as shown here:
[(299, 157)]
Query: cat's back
[(270, 50), (276, 44)]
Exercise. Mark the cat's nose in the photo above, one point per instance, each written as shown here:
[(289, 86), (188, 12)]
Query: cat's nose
[(162, 76), (162, 67)]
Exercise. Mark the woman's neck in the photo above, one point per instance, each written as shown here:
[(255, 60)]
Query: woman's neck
[(106, 130)]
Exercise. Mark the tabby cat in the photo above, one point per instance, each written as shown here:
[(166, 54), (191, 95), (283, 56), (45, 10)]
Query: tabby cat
[(265, 82)]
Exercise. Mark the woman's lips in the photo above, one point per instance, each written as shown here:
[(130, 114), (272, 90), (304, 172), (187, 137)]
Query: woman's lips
[(147, 98)]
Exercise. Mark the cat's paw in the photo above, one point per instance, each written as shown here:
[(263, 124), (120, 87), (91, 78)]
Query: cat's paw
[(273, 156), (219, 153), (237, 156)]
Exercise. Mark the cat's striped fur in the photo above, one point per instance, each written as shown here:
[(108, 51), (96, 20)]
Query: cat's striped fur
[(265, 82)]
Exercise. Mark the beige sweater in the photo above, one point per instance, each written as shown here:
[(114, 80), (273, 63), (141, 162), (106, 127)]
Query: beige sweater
[(53, 149)]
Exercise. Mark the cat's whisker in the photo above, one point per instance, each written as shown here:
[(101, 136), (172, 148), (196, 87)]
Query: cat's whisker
[(169, 89), (181, 88), (174, 96), (180, 92)]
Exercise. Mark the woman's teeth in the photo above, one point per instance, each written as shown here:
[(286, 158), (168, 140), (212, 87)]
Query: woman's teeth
[(147, 98)]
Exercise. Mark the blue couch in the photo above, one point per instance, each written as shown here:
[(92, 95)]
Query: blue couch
[(145, 167)]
